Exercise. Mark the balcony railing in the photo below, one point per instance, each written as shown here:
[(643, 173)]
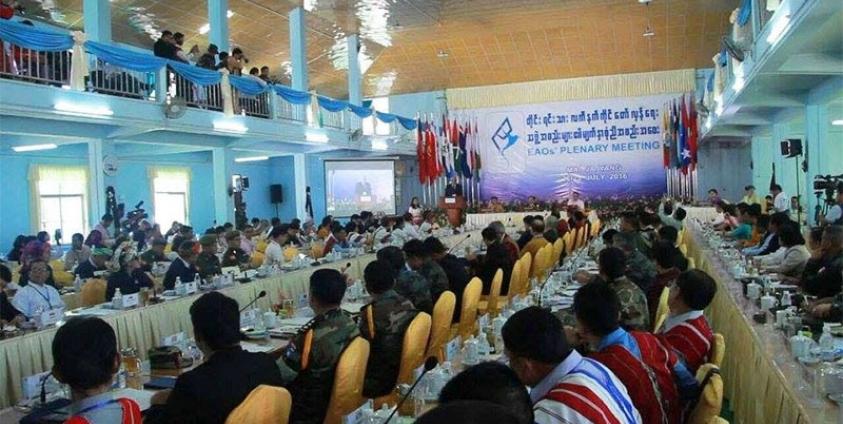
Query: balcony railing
[(24, 64), (257, 106), (109, 79)]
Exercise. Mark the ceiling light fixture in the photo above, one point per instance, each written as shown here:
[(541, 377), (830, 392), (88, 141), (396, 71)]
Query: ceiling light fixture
[(84, 109), (34, 147), (837, 122), (648, 31), (229, 126), (441, 54), (207, 27), (251, 159)]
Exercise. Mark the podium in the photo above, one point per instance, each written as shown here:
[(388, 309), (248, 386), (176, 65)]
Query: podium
[(453, 206)]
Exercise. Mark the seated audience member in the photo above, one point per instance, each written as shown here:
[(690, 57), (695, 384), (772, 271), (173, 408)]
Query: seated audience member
[(455, 269), (185, 234), (154, 254), (527, 234), (760, 229), (491, 382), (246, 240), (429, 269), (383, 235), (278, 237), (183, 267), (790, 264), (129, 279), (16, 252), (608, 237), (664, 255), (468, 412), (428, 224), (537, 241), (37, 296), (639, 269), (822, 275), (307, 364), (85, 358), (686, 330), (9, 315), (410, 230), (634, 314), (383, 323), (631, 227), (744, 230), (675, 219), (507, 242), (100, 236), (97, 262), (209, 392), (207, 262), (496, 257), (337, 241), (234, 255), (77, 253), (651, 372), (293, 233), (559, 377), (408, 282), (36, 250), (770, 241)]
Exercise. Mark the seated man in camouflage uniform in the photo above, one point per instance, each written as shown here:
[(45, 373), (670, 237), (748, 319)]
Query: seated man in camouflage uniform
[(234, 255), (639, 268), (308, 363), (207, 262), (415, 250), (634, 314), (154, 254), (383, 323), (408, 283)]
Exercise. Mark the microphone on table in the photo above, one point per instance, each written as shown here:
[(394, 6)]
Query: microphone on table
[(260, 295), (429, 364), (458, 243)]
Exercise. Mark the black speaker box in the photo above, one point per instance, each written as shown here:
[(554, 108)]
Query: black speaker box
[(276, 194)]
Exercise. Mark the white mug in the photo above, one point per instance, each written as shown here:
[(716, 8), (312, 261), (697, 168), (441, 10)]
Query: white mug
[(769, 301), (753, 291)]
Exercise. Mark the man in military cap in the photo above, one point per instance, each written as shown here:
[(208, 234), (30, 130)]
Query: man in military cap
[(307, 364), (383, 323), (234, 255), (408, 282), (96, 263), (431, 270), (154, 254), (207, 262)]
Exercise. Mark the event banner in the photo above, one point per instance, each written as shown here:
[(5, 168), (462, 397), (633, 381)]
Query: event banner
[(601, 148)]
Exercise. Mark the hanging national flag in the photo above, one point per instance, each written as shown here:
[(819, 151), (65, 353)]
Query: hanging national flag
[(694, 131), (477, 162), (674, 131), (421, 130), (463, 165), (666, 136), (684, 151)]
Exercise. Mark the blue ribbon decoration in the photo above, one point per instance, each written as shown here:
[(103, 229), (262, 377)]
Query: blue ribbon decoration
[(331, 105), (723, 59), (361, 111), (745, 12), (195, 74), (247, 86), (124, 58), (386, 118), (30, 37), (710, 82), (408, 123), (292, 96)]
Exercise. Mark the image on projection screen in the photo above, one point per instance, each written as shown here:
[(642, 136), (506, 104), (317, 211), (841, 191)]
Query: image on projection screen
[(354, 186)]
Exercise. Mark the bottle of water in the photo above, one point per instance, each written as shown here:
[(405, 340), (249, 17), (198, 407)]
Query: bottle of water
[(382, 414), (117, 300), (179, 287), (827, 343), (77, 284), (197, 280)]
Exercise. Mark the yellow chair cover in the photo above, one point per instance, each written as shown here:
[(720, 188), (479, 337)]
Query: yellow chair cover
[(491, 302), (468, 309), (684, 249), (261, 246), (443, 314), (568, 238), (93, 292), (168, 248), (316, 249), (256, 259), (412, 354), (662, 310), (558, 248), (595, 228), (526, 266), (515, 280), (290, 253), (711, 397), (264, 405), (60, 276), (347, 393), (718, 349), (691, 264), (582, 235)]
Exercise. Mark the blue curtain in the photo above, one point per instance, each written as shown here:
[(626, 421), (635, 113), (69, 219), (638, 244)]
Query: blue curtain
[(248, 86), (745, 12), (407, 123), (34, 38), (361, 111), (292, 96), (124, 58), (195, 74), (331, 105)]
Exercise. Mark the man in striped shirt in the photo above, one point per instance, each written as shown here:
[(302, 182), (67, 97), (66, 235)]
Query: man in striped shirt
[(566, 388), (686, 330)]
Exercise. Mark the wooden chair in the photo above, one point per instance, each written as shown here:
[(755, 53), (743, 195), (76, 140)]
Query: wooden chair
[(468, 309), (662, 310), (93, 292), (718, 349), (264, 405), (347, 393), (711, 395), (440, 330), (412, 355), (491, 302)]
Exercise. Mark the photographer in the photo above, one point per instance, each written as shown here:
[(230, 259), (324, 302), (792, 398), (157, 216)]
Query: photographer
[(834, 216)]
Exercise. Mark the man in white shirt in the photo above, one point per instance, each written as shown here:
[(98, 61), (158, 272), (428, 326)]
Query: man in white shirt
[(835, 212), (781, 201), (575, 202), (37, 297), (410, 230), (275, 251)]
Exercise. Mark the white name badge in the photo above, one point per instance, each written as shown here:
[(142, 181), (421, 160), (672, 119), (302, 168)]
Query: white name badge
[(450, 200), (130, 301), (173, 339), (191, 287), (355, 417), (49, 317), (248, 318), (452, 349), (483, 322), (31, 385)]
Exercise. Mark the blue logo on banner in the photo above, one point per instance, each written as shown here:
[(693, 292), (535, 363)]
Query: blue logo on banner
[(503, 136)]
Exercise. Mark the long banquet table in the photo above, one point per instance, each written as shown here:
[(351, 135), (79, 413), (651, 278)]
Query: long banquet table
[(761, 378), (143, 328)]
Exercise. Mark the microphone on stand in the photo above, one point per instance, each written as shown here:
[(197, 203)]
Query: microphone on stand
[(260, 295), (458, 243), (429, 364)]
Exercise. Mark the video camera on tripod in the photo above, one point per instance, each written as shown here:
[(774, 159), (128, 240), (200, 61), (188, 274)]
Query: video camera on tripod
[(824, 188)]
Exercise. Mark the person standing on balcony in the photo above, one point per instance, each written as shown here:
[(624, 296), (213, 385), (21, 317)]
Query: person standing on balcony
[(165, 46), (209, 59)]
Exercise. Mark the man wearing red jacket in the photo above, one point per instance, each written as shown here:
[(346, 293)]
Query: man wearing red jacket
[(656, 380), (686, 331)]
